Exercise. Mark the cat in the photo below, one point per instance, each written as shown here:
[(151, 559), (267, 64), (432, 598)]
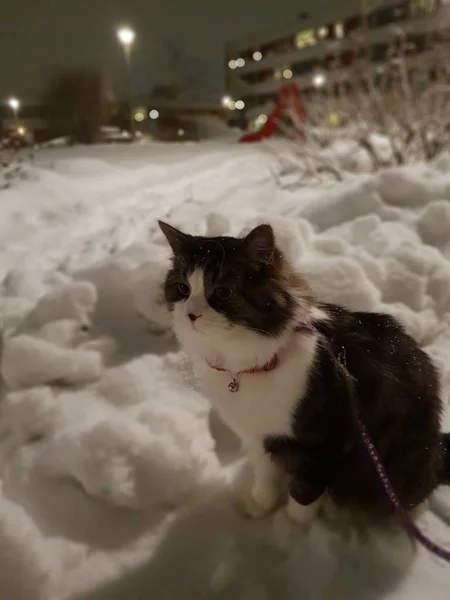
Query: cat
[(263, 348)]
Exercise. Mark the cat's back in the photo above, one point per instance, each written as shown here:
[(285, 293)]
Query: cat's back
[(377, 347), (398, 399)]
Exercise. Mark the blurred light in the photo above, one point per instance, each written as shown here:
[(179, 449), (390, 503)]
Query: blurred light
[(334, 119), (126, 36), (14, 104), (305, 38), (181, 132), (226, 101), (339, 30), (153, 114), (322, 32), (262, 119), (319, 80), (287, 73), (139, 116), (278, 74), (257, 55), (231, 105), (232, 64), (21, 130), (240, 104), (240, 62)]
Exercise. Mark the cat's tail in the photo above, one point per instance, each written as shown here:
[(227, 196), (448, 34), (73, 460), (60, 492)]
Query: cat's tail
[(445, 476)]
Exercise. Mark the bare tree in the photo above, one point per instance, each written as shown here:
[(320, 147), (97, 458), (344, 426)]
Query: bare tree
[(75, 104)]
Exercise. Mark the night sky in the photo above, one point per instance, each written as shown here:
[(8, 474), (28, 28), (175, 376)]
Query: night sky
[(38, 35)]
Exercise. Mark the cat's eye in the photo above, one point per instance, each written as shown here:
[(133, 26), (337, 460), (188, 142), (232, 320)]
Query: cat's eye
[(224, 293), (184, 289)]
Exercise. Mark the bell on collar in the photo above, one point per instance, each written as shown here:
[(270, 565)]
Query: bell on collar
[(233, 386)]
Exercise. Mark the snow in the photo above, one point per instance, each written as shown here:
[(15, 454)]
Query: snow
[(115, 476)]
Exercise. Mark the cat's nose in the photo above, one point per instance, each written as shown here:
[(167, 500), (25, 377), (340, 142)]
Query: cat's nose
[(193, 317)]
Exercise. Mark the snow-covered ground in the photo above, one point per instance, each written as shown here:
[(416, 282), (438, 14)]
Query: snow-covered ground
[(114, 475)]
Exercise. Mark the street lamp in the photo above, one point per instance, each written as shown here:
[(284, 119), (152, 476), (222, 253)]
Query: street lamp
[(319, 80), (126, 37), (14, 105)]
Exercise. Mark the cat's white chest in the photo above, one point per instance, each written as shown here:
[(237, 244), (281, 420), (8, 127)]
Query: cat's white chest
[(265, 402)]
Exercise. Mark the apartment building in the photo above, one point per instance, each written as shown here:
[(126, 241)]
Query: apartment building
[(318, 49)]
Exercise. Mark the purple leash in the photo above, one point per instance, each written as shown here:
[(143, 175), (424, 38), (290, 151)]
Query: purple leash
[(402, 515)]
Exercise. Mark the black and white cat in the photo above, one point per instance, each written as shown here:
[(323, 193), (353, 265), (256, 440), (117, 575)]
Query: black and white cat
[(250, 323)]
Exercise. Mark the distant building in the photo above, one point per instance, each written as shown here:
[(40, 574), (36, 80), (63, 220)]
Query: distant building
[(168, 119), (319, 49)]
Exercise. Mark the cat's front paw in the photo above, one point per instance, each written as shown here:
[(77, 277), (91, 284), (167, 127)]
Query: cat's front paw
[(287, 520), (303, 514), (251, 503)]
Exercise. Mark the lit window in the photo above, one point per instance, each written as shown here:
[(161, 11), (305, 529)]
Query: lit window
[(287, 73), (422, 6), (334, 119), (228, 102), (240, 104), (305, 38), (232, 64), (322, 32), (240, 62), (153, 114), (339, 30)]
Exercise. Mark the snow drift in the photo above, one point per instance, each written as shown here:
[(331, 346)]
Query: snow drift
[(115, 476)]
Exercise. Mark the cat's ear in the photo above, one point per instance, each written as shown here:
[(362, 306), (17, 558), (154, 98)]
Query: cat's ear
[(260, 244), (177, 239)]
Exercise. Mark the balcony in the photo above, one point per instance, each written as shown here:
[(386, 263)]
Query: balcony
[(423, 62), (359, 37)]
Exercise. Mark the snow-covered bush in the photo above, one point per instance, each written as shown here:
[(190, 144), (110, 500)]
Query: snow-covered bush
[(14, 163), (376, 114)]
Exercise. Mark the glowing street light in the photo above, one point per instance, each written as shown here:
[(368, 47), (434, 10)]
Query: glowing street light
[(126, 37), (226, 101), (319, 80), (257, 55), (240, 104), (14, 105)]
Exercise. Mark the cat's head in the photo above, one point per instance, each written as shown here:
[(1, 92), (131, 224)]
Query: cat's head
[(233, 298)]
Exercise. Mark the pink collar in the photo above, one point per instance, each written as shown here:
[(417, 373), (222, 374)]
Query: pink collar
[(234, 384), (269, 366)]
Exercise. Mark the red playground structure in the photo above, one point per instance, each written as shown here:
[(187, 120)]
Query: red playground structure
[(288, 102)]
